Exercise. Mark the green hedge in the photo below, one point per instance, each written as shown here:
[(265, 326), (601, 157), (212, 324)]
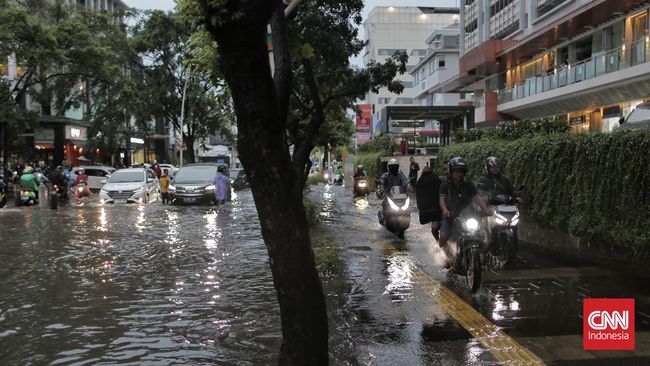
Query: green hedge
[(594, 186), (512, 130), (370, 161)]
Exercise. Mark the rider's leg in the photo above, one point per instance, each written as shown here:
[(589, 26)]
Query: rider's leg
[(434, 230), (445, 227)]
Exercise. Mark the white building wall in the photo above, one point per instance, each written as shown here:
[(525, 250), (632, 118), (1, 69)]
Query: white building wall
[(399, 28)]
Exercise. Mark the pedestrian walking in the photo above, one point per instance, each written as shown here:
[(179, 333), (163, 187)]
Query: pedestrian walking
[(164, 187), (414, 168), (221, 184), (427, 195)]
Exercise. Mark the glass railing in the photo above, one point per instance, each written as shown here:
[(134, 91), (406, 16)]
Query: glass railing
[(628, 55)]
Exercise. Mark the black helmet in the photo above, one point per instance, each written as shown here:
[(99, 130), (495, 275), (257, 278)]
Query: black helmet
[(393, 165), (492, 162), (222, 169), (457, 163)]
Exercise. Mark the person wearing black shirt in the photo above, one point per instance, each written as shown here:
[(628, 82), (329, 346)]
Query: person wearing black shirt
[(455, 195)]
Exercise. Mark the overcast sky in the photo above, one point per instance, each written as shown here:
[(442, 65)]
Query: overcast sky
[(169, 5)]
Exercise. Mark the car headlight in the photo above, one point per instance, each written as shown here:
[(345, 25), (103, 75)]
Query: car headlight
[(471, 224), (406, 204), (171, 188), (139, 190), (211, 187)]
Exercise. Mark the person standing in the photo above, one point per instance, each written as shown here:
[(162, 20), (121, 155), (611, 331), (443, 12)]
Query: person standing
[(414, 168), (164, 187), (221, 184)]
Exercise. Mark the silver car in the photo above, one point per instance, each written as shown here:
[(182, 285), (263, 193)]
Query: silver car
[(136, 185)]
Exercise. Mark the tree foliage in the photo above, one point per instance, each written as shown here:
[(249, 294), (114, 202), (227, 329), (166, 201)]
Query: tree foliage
[(512, 130)]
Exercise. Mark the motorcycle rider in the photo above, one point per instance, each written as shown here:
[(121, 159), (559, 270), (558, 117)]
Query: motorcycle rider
[(493, 182), (455, 195), (82, 179), (360, 173), (28, 181), (59, 179), (393, 177)]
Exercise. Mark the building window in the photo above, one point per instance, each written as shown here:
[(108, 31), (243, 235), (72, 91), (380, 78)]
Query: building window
[(407, 84), (383, 100), (389, 51), (404, 101), (441, 62)]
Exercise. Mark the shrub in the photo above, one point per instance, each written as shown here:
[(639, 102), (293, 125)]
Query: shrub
[(370, 161), (595, 186), (513, 130), (312, 209), (326, 258)]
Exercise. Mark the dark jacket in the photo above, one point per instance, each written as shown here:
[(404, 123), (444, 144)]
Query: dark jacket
[(427, 193)]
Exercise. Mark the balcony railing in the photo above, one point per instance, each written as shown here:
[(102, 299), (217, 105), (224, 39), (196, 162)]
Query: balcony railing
[(628, 55)]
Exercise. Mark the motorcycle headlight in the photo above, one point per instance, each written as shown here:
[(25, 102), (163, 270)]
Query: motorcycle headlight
[(363, 185), (471, 224), (211, 187), (392, 204), (406, 204), (80, 189), (500, 219), (515, 220)]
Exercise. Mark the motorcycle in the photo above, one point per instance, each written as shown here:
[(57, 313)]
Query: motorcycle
[(502, 231), (81, 191), (360, 187), (468, 235), (326, 177), (338, 179), (396, 212), (25, 197)]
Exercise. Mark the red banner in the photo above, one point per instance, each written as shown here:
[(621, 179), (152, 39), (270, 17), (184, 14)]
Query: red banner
[(363, 117)]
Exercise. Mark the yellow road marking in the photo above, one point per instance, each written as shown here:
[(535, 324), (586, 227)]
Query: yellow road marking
[(504, 348)]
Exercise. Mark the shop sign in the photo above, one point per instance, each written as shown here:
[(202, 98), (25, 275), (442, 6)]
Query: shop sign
[(75, 133), (363, 119), (577, 120)]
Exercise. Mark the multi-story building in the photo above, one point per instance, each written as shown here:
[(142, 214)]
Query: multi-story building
[(392, 29), (583, 60), (60, 135)]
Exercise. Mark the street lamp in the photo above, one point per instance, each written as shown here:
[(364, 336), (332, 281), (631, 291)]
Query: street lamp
[(189, 74)]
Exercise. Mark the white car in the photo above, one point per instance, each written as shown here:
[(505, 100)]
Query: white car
[(136, 185), (170, 168), (97, 175)]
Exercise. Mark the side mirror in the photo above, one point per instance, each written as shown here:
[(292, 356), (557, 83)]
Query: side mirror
[(621, 120)]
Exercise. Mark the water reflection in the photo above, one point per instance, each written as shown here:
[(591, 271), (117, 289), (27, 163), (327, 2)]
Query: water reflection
[(136, 284)]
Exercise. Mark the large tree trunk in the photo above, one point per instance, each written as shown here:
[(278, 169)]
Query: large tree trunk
[(263, 151)]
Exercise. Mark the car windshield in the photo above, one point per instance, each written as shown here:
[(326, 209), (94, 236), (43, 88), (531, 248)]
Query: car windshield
[(640, 113), (195, 174), (126, 177)]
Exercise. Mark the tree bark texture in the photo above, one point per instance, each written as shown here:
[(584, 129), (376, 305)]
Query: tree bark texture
[(244, 60)]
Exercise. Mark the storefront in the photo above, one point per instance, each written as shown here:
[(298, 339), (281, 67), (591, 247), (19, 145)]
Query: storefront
[(44, 145), (75, 142)]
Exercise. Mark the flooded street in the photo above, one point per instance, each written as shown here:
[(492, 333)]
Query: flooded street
[(136, 284), (163, 285)]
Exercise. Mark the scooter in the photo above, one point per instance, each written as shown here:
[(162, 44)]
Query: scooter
[(338, 179), (502, 231), (469, 238), (360, 187), (25, 197), (81, 192), (396, 212)]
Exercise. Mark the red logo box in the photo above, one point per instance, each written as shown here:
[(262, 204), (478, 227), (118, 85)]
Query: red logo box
[(608, 324)]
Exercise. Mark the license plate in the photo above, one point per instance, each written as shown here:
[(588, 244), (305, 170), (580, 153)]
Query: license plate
[(507, 208), (119, 201), (475, 236), (189, 200)]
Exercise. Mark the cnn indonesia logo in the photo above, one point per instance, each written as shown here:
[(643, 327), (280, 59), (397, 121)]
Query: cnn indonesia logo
[(608, 324)]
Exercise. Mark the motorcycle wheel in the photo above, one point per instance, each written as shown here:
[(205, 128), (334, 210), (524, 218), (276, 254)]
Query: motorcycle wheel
[(473, 275)]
